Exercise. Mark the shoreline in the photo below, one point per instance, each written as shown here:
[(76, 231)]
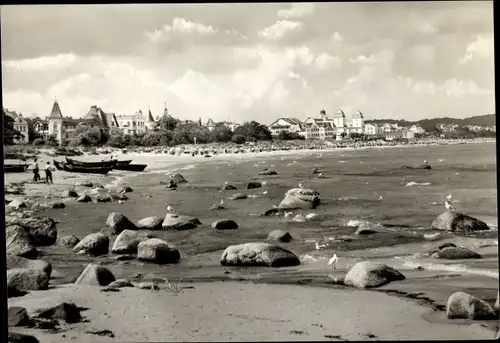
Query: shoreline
[(165, 163)]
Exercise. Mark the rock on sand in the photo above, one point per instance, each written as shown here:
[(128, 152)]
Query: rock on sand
[(17, 204), (268, 172), (178, 178), (15, 337), (127, 242), (19, 242), (280, 236), (150, 223), (93, 244), (18, 262), (118, 222), (463, 305), (458, 222), (224, 224), (95, 275), (68, 241), (258, 254), (69, 193), (300, 198), (368, 274), (175, 221), (27, 279), (43, 231), (68, 312), (18, 316), (254, 184), (84, 198), (157, 251)]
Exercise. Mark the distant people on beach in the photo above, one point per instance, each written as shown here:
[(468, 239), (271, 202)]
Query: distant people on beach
[(48, 173), (36, 174)]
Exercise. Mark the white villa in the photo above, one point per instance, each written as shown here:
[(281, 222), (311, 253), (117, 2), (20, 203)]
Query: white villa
[(334, 127), (290, 125), (132, 123)]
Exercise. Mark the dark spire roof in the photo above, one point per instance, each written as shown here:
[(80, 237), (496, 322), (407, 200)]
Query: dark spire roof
[(56, 111), (150, 117)]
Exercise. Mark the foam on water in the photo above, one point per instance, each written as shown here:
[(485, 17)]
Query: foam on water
[(452, 268), (411, 183)]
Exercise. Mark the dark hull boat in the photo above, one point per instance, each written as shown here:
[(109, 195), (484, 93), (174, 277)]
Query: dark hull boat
[(80, 169), (15, 168), (131, 167), (103, 164)]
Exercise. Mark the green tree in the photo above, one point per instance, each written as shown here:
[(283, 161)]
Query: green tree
[(52, 140), (238, 139), (168, 123), (221, 133), (254, 131), (9, 133)]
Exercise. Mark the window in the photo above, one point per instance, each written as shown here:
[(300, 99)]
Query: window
[(54, 126)]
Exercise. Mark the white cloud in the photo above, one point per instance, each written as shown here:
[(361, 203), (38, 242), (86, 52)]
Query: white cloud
[(482, 47), (422, 24), (324, 61), (60, 61), (280, 29), (297, 10), (180, 25), (337, 37), (302, 54), (362, 59)]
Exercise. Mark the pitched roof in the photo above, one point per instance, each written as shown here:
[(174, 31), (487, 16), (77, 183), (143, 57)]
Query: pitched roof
[(56, 111), (339, 114), (210, 122), (150, 117), (102, 118), (357, 114)]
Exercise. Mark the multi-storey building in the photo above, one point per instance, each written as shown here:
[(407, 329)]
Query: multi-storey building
[(321, 128), (290, 125), (371, 129), (132, 123)]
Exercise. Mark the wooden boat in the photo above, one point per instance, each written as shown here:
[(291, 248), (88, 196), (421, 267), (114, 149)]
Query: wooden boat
[(15, 168), (131, 167), (122, 163), (103, 164), (79, 169)]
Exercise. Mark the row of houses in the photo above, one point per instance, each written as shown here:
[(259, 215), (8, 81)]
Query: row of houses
[(337, 127)]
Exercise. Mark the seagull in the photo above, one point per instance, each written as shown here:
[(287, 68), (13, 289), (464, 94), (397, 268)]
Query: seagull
[(319, 246), (300, 185), (448, 197), (380, 198), (222, 202), (170, 209), (449, 206), (288, 214), (333, 261)]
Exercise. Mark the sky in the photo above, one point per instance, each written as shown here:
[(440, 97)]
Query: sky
[(242, 62)]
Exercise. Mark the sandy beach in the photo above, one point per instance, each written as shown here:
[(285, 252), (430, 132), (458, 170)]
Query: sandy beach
[(271, 304)]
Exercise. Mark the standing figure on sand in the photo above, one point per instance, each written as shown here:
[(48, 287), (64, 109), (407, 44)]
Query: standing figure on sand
[(36, 174), (48, 173)]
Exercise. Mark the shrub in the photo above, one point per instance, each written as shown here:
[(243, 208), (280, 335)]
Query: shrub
[(38, 141), (238, 139)]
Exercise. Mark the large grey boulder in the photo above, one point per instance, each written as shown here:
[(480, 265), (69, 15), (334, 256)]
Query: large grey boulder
[(103, 198), (18, 316), (127, 242), (279, 236), (178, 178), (94, 244), (224, 224), (463, 305), (254, 184), (455, 253), (258, 254), (300, 198), (228, 187), (19, 242), (27, 279), (69, 193), (84, 198), (267, 172), (458, 222), (16, 337), (150, 223), (174, 221), (43, 231), (18, 262), (17, 204), (118, 222), (68, 241), (95, 275), (157, 251), (368, 274)]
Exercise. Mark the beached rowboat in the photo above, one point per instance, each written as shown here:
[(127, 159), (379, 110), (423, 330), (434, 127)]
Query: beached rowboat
[(131, 167), (102, 164), (79, 169), (15, 168)]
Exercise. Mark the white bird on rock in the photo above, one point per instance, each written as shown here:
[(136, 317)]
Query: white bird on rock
[(333, 261), (449, 206), (380, 198), (288, 214), (222, 202), (448, 197), (300, 185), (170, 208)]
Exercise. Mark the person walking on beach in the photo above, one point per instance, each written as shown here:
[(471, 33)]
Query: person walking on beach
[(36, 174), (48, 173)]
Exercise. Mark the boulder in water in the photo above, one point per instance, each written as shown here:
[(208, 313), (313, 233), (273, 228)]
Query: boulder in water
[(458, 222), (455, 253), (268, 172), (224, 224), (42, 231), (238, 196), (18, 316), (463, 305), (69, 193), (258, 254), (120, 283), (280, 236), (68, 241), (254, 184), (127, 242), (178, 178), (175, 221), (368, 274), (94, 244), (95, 275), (228, 187), (361, 231), (150, 223), (103, 198), (300, 198), (157, 251), (27, 279), (19, 242), (84, 198), (118, 222)]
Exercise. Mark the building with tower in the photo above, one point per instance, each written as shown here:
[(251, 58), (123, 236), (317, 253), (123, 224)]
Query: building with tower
[(132, 124)]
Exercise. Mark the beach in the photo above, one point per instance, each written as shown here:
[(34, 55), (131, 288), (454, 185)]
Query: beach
[(359, 188)]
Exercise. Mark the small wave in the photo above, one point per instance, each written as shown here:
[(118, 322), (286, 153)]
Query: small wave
[(115, 182), (362, 224), (411, 183), (347, 198), (311, 258), (453, 268)]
